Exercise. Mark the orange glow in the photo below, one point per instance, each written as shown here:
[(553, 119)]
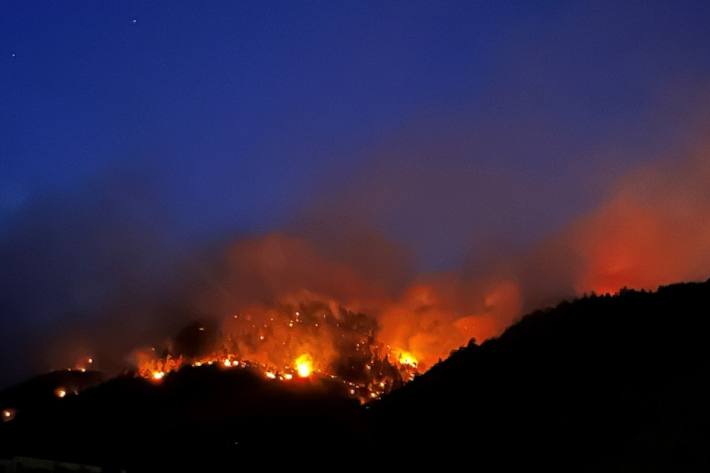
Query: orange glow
[(60, 392), (344, 327), (8, 415), (304, 365), (407, 359), (289, 308)]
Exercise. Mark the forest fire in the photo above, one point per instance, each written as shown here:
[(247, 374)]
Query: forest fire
[(407, 359), (314, 340), (369, 385), (304, 365)]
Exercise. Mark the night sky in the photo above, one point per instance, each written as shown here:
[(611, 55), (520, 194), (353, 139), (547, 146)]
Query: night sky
[(445, 126)]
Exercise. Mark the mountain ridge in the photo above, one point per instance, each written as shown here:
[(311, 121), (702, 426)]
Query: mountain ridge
[(612, 383)]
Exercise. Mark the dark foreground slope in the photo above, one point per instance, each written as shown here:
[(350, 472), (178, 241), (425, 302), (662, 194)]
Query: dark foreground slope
[(600, 384), (197, 418)]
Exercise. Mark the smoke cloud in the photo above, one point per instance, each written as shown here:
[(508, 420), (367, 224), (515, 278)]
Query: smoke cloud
[(95, 273)]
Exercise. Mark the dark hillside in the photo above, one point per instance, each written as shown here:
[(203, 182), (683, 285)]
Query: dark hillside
[(610, 383), (602, 383)]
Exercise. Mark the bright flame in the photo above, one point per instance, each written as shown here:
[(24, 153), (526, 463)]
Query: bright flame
[(60, 392), (8, 415), (304, 365), (301, 352), (407, 359)]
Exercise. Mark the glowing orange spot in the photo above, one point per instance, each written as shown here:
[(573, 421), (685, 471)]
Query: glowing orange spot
[(60, 392), (8, 415), (158, 375), (407, 359), (304, 365), (271, 375)]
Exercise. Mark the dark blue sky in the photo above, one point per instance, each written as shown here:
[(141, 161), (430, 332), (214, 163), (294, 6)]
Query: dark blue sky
[(246, 113), (444, 124)]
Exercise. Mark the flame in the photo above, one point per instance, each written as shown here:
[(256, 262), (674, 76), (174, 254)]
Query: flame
[(407, 359), (379, 375), (8, 415), (83, 363), (304, 365), (312, 339), (294, 313), (60, 392)]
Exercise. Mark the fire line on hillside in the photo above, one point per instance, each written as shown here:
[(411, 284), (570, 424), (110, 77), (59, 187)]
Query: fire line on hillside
[(310, 342)]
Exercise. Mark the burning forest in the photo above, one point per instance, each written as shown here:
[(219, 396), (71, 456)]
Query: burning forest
[(356, 227), (288, 344)]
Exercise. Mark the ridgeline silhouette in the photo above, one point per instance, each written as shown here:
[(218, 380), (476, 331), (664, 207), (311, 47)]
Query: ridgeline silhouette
[(602, 383)]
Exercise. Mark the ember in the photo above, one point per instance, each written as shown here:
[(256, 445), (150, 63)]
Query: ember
[(60, 392), (8, 415), (312, 339)]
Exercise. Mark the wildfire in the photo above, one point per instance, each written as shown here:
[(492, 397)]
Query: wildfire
[(83, 363), (304, 365), (378, 375), (310, 340), (60, 392), (8, 415), (407, 359)]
